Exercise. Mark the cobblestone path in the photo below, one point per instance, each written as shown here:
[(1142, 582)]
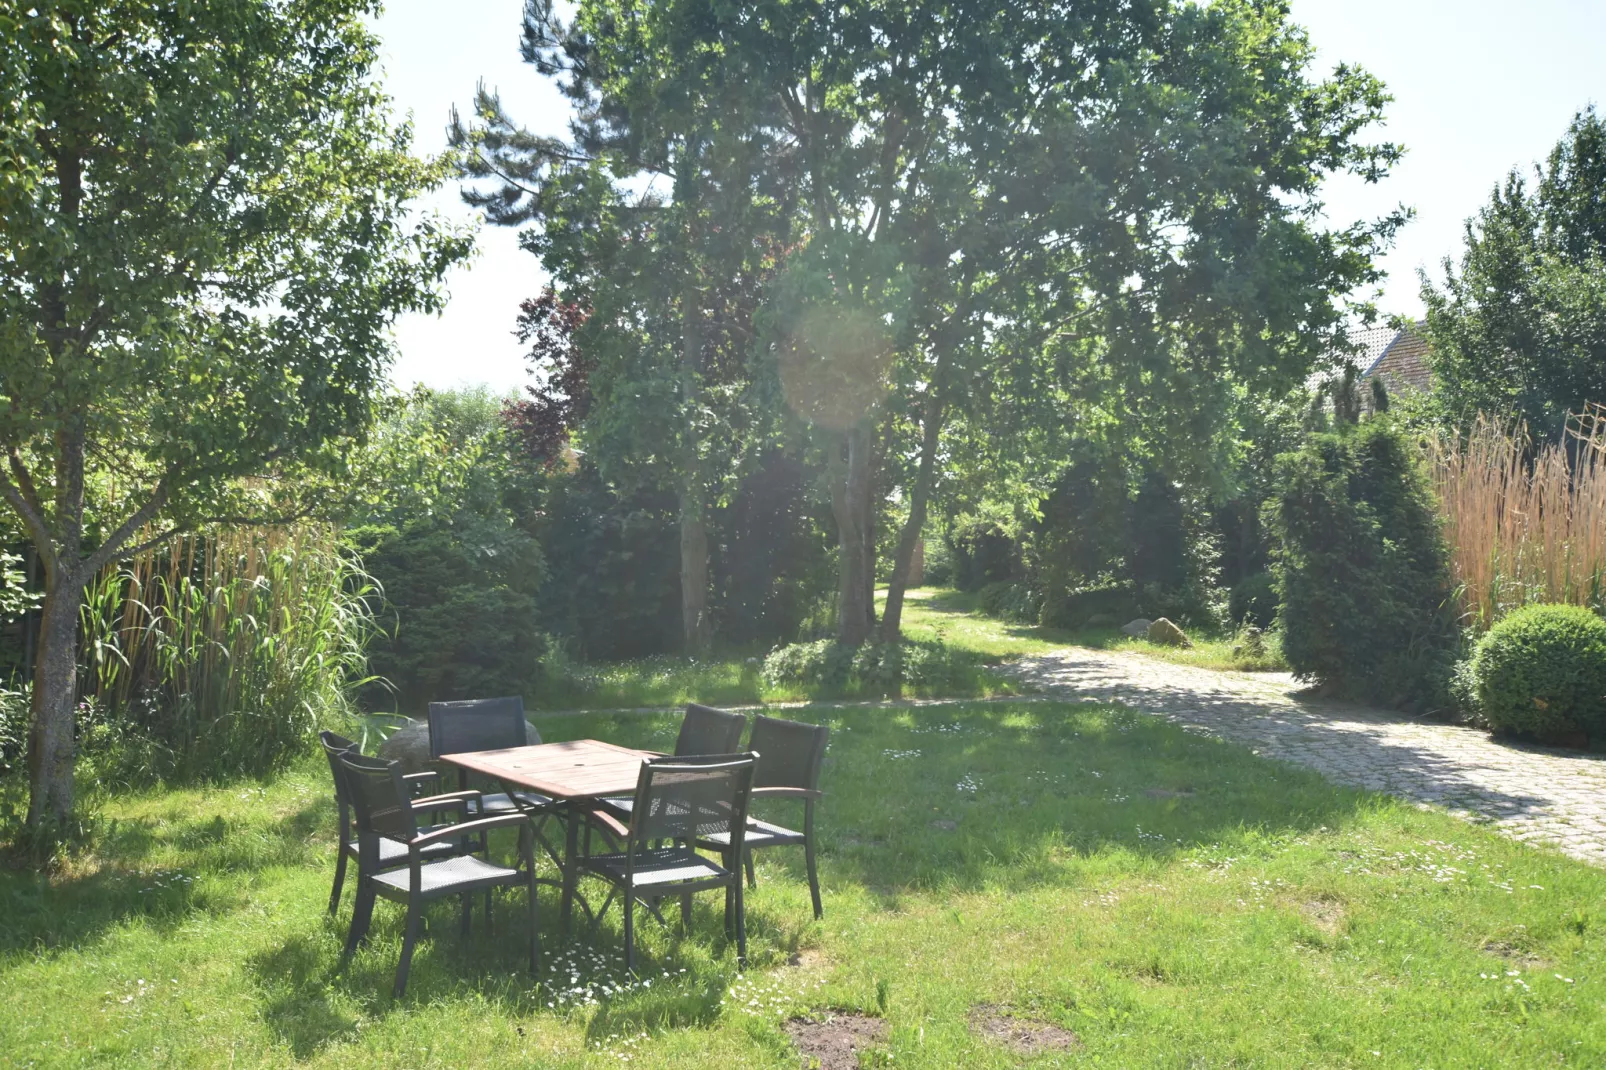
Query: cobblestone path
[(1534, 794)]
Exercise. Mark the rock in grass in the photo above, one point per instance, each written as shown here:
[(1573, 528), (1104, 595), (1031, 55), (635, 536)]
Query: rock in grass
[(408, 745), (1139, 628), (1166, 633)]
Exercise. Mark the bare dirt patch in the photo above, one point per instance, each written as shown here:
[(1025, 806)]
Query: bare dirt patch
[(944, 824), (1023, 1036), (832, 1040), (810, 958), (1325, 914), (1516, 955)]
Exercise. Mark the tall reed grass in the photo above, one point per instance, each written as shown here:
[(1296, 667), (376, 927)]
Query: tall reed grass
[(224, 652), (1524, 524)]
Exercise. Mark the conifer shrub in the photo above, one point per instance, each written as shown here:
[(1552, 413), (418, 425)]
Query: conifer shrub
[(1362, 568), (1541, 672)]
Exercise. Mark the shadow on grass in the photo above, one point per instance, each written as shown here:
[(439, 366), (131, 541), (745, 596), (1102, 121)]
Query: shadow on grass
[(47, 912)]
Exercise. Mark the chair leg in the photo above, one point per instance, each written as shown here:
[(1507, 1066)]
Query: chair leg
[(408, 940), (340, 881), (489, 924), (747, 861), (468, 914), (814, 876), (741, 924), (362, 912), (685, 912), (630, 931), (535, 929)]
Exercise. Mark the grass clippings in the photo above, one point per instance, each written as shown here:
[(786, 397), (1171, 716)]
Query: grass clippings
[(833, 1042)]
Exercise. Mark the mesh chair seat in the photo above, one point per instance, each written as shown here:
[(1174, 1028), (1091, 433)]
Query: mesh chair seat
[(465, 873), (394, 852), (666, 865), (703, 730), (759, 834)]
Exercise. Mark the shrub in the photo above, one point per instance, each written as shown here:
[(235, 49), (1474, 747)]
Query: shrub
[(1008, 600), (875, 668), (1074, 609), (982, 554), (1363, 569), (1542, 672), (1254, 600)]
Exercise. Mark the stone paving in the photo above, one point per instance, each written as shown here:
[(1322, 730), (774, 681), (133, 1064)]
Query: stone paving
[(1534, 794)]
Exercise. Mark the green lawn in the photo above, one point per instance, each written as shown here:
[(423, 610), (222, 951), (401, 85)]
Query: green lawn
[(1172, 900), (935, 612)]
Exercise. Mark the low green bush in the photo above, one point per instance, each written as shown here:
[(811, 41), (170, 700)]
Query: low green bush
[(1008, 600), (1074, 609), (1542, 672), (874, 668), (1254, 600)]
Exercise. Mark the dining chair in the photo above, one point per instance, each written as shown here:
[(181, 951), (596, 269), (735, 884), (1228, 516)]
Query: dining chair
[(391, 853), (792, 755), (678, 801), (703, 730), (384, 812)]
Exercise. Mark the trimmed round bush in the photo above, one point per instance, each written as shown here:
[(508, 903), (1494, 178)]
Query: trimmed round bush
[(1542, 672)]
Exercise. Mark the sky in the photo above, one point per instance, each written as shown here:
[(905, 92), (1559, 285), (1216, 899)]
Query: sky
[(1480, 87)]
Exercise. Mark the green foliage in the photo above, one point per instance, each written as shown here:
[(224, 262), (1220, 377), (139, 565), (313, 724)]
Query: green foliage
[(1009, 600), (1254, 600), (828, 667), (449, 547), (13, 727), (982, 553), (1541, 672), (1519, 329), (221, 656), (1363, 568)]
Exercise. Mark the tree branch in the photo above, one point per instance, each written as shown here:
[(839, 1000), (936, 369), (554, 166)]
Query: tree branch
[(23, 499), (113, 543)]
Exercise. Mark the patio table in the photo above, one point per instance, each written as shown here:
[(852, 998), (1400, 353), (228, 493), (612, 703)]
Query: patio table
[(574, 772)]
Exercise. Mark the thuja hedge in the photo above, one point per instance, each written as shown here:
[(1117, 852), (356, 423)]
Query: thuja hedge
[(1362, 568)]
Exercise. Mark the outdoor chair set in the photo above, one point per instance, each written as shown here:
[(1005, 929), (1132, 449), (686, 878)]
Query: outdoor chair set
[(695, 799)]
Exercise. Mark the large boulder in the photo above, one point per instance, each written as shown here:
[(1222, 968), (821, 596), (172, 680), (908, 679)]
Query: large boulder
[(1166, 633), (409, 745), (1139, 628)]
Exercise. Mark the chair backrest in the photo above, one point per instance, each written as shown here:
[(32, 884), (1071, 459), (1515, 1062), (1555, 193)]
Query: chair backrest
[(477, 724), (705, 730), (333, 747), (793, 753), (684, 798), (378, 796)]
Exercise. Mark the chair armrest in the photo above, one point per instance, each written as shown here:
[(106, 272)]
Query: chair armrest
[(609, 822), (786, 793), (452, 832), (452, 800), (414, 779)]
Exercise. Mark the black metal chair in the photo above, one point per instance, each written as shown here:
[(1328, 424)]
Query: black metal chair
[(679, 801), (793, 754), (703, 730), (492, 724), (392, 853), (384, 812)]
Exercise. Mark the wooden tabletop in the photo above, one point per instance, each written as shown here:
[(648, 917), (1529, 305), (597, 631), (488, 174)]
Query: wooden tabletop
[(578, 769)]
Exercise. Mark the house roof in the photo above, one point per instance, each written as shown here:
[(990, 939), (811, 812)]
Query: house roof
[(1402, 360)]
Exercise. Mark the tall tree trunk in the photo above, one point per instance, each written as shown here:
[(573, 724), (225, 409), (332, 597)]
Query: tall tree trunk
[(919, 496), (694, 628), (850, 496), (55, 680), (694, 569)]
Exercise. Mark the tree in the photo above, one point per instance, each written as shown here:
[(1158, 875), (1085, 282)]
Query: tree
[(1519, 330), (669, 283), (1103, 194), (207, 240)]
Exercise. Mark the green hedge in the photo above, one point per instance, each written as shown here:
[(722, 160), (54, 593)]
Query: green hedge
[(875, 668), (1542, 672), (1363, 568)]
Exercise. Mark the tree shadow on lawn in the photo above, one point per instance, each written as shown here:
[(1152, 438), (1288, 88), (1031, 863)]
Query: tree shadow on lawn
[(313, 998), (49, 912)]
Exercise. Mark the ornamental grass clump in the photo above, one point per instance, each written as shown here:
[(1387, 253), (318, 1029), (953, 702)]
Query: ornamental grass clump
[(1525, 525), (1541, 672)]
